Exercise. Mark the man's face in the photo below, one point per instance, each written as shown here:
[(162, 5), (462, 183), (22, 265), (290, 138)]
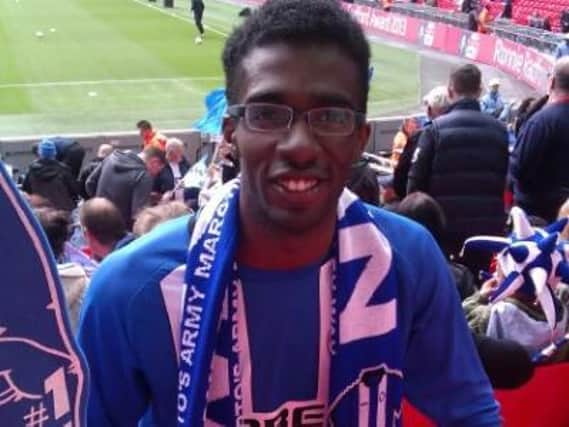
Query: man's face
[(174, 155), (145, 133), (494, 89), (154, 166), (292, 179)]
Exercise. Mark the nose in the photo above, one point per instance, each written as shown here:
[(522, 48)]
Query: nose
[(300, 147)]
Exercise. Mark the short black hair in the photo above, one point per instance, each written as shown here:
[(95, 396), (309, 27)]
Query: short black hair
[(300, 23), (426, 211), (155, 152), (363, 182), (56, 226), (144, 124), (466, 80), (103, 220)]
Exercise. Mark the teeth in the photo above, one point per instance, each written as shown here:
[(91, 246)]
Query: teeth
[(298, 185)]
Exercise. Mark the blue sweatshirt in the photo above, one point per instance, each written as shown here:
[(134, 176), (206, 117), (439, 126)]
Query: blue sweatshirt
[(134, 298)]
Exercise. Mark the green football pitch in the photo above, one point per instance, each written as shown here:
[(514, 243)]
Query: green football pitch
[(69, 66)]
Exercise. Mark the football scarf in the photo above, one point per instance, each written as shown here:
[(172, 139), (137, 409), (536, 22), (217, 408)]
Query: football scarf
[(360, 372)]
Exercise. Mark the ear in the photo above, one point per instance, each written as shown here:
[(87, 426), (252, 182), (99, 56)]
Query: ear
[(551, 85), (362, 136), (450, 90)]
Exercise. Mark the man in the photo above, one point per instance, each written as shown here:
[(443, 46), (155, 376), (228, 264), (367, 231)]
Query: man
[(461, 161), (69, 152), (174, 171), (102, 152), (484, 19), (198, 8), (104, 227), (564, 21), (562, 48), (150, 137), (492, 102), (436, 103), (126, 179), (331, 302), (539, 161), (51, 179)]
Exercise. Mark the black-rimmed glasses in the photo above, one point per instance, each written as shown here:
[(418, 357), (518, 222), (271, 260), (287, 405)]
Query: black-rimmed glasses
[(324, 121)]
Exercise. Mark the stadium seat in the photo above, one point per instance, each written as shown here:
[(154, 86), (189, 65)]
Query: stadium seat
[(541, 402), (522, 9)]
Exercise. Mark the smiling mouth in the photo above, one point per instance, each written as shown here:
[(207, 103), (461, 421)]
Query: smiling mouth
[(300, 185)]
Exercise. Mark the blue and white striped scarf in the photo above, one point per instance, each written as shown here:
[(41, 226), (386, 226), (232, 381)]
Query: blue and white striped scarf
[(360, 372)]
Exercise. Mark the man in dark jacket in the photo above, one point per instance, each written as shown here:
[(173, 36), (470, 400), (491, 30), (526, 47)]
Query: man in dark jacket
[(51, 179), (539, 161), (175, 169), (436, 103), (103, 151), (462, 162), (69, 152), (126, 179)]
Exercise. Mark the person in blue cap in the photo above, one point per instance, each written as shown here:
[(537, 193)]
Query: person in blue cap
[(51, 179)]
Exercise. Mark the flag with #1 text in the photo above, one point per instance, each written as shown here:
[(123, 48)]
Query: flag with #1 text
[(43, 375)]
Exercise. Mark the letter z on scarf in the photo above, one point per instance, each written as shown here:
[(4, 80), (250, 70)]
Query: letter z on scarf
[(360, 363)]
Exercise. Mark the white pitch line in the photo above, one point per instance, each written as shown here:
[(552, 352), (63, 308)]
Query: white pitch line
[(106, 82), (180, 17)]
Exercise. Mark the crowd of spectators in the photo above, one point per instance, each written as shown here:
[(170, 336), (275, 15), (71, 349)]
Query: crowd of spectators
[(450, 173)]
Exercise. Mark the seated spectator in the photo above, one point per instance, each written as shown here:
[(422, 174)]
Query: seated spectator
[(51, 179), (562, 48), (126, 179), (151, 137), (507, 12), (102, 152), (174, 171), (564, 21), (55, 224), (363, 182), (104, 227), (426, 211), (546, 24), (150, 217), (436, 103), (492, 103), (408, 128), (532, 19), (518, 302), (527, 111), (69, 152)]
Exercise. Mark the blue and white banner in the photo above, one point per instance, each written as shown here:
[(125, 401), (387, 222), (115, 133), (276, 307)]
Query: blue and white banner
[(216, 105), (43, 376)]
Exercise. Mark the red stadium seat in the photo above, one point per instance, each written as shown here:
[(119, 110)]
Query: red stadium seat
[(541, 402)]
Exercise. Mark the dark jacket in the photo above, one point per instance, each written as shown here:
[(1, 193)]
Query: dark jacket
[(539, 164), (123, 179), (84, 174), (462, 162), (53, 181), (71, 153), (165, 181)]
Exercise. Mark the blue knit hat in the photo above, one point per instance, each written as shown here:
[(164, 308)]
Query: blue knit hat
[(46, 149)]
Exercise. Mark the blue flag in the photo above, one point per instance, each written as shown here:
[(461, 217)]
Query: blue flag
[(43, 376), (216, 104)]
